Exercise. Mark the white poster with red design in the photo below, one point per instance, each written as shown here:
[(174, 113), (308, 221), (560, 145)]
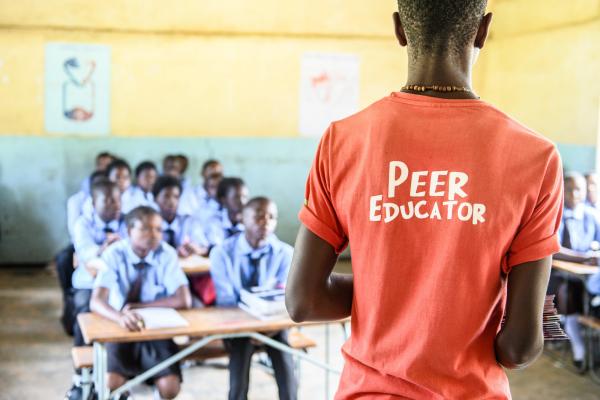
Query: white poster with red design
[(77, 95), (329, 90)]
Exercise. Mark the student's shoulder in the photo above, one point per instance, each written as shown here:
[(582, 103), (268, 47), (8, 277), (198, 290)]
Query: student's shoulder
[(279, 246), (117, 249), (227, 247)]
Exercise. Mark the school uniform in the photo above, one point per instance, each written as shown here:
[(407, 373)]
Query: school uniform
[(130, 279), (183, 229), (219, 227), (197, 202), (236, 265), (64, 259), (134, 197), (579, 228), (88, 236)]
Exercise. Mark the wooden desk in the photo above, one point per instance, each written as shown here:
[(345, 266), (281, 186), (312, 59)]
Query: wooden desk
[(210, 323), (195, 265), (574, 268)]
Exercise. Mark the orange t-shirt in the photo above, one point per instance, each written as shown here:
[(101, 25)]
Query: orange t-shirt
[(437, 199)]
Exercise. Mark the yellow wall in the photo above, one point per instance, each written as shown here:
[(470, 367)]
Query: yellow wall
[(542, 65), (197, 67), (232, 68)]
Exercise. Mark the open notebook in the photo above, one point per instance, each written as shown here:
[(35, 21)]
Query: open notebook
[(156, 318)]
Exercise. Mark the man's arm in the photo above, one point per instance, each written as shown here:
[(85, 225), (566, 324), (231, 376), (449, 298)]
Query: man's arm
[(521, 340), (181, 299), (127, 319), (313, 291)]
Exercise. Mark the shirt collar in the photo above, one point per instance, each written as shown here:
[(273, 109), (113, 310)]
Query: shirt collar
[(575, 213), (114, 224), (175, 225), (244, 247), (226, 222), (134, 259)]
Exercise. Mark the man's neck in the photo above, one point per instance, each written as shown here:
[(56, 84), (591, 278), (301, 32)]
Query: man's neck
[(443, 70), (141, 253)]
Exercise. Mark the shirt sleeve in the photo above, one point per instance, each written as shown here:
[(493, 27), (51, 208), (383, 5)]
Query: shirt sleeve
[(108, 276), (174, 277), (593, 284), (318, 213), (226, 293), (537, 236), (83, 241), (74, 205), (194, 232)]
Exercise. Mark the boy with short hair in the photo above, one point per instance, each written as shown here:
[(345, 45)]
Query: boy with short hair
[(579, 235), (140, 194), (93, 234), (201, 200), (592, 189), (232, 194), (141, 271), (254, 257), (102, 161), (182, 232)]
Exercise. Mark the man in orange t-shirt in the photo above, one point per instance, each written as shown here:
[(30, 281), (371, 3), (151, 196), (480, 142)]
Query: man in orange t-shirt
[(451, 209)]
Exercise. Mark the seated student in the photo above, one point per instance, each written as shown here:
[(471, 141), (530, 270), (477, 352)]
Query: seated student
[(579, 235), (175, 165), (182, 232), (255, 257), (591, 179), (141, 193), (119, 172), (102, 161), (64, 259), (139, 272), (92, 236), (232, 194), (201, 200)]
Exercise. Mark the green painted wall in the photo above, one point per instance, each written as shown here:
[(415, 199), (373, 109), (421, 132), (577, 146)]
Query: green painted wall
[(37, 174)]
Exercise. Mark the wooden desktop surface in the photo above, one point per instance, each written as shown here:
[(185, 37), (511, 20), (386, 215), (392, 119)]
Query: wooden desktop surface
[(195, 265), (202, 322), (575, 268)]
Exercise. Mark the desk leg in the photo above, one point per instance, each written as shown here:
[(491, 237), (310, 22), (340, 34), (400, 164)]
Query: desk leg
[(327, 361), (100, 367)]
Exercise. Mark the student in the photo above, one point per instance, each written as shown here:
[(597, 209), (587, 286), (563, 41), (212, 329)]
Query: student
[(119, 172), (232, 195), (64, 259), (182, 232), (449, 206), (254, 257), (141, 194), (92, 236), (140, 272), (201, 200), (102, 161), (592, 189), (579, 235)]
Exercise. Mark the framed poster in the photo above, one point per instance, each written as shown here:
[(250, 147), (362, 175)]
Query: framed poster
[(77, 92), (329, 90)]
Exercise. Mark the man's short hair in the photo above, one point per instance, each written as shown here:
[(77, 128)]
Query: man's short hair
[(102, 185), (139, 214), (144, 165), (439, 26), (164, 182), (257, 201), (227, 184), (574, 176), (208, 163), (118, 164)]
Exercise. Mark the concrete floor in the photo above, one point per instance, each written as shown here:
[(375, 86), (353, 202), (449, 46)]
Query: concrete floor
[(35, 355)]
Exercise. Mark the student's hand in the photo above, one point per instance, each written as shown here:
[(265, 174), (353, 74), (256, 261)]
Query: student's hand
[(183, 251), (111, 238), (131, 321), (194, 249), (131, 306)]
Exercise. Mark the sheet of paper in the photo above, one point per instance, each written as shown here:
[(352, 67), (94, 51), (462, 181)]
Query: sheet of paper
[(156, 318)]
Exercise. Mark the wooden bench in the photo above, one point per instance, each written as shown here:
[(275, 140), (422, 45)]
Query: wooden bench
[(83, 356)]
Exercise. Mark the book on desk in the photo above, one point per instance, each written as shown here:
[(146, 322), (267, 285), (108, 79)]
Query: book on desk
[(264, 304)]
